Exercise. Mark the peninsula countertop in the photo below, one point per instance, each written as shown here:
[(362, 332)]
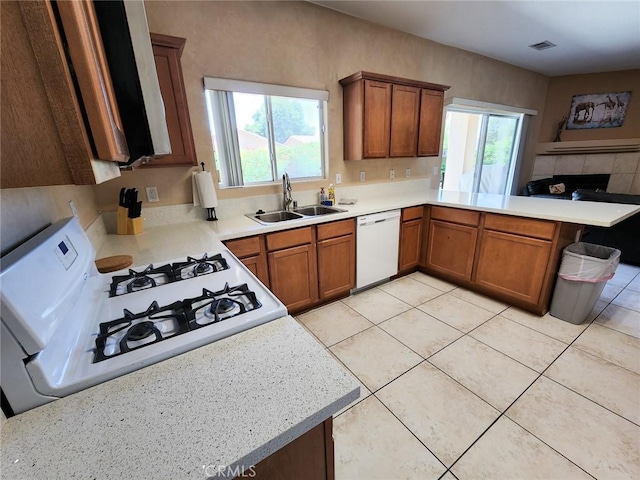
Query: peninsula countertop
[(232, 402), (174, 239), (578, 212)]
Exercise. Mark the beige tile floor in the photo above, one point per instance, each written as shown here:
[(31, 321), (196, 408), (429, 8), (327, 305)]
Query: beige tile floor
[(458, 385)]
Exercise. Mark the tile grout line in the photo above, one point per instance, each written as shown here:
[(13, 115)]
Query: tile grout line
[(406, 427), (504, 413)]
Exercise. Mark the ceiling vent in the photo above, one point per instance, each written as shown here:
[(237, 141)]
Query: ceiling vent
[(542, 45)]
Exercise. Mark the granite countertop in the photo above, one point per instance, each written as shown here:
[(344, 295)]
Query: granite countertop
[(232, 402), (582, 213), (195, 237)]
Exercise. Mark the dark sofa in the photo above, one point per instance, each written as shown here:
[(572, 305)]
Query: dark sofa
[(625, 236), (540, 188)]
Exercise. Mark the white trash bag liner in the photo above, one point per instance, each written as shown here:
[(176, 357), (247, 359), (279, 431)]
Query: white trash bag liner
[(587, 262)]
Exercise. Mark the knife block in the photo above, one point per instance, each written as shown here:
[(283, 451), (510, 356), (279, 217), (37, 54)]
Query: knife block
[(134, 226), (121, 226), (126, 225)]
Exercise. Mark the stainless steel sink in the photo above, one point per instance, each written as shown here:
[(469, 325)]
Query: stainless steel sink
[(315, 210), (274, 217), (308, 211)]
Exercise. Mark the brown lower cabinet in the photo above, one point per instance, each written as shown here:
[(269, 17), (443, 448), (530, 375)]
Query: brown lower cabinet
[(410, 238), (294, 276), (311, 456), (302, 266), (451, 242), (336, 258), (513, 265), (451, 249), (510, 258), (251, 251)]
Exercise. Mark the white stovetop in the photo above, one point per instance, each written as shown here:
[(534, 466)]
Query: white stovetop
[(221, 404)]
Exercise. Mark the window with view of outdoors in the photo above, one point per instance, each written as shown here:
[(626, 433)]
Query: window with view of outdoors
[(480, 150), (259, 137)]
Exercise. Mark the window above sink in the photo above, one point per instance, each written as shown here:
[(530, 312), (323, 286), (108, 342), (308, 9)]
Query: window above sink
[(259, 131)]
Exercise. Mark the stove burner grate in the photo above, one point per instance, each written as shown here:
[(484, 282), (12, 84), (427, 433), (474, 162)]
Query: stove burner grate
[(214, 307), (196, 267), (137, 281), (138, 331)]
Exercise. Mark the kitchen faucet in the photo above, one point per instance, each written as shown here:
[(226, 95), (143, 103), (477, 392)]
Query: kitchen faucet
[(286, 192)]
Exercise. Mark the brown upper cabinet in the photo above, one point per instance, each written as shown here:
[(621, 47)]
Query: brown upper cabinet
[(377, 119), (167, 51), (404, 121), (431, 105), (44, 138), (387, 116)]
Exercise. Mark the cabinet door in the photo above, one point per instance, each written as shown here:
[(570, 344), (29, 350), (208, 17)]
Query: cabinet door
[(44, 138), (258, 266), (451, 249), (431, 104), (513, 265), (293, 275), (82, 36), (410, 244), (377, 119), (336, 266), (251, 252), (167, 51), (310, 456), (404, 121)]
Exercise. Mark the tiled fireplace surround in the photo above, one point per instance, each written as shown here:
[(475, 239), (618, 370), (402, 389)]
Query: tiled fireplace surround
[(623, 167)]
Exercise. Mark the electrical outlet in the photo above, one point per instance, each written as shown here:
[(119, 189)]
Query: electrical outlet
[(436, 170), (407, 172), (392, 174), (152, 194), (338, 178), (362, 176), (72, 206)]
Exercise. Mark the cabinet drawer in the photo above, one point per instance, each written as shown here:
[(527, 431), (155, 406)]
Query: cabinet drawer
[(455, 215), (521, 226), (336, 229), (244, 247), (290, 238), (412, 213)]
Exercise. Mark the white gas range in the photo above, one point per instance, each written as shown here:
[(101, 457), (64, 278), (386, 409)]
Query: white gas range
[(66, 327)]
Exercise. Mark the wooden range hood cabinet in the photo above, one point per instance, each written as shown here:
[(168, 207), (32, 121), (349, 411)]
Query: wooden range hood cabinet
[(387, 117)]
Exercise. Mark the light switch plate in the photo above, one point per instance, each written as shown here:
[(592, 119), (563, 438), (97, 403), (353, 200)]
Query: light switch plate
[(338, 178)]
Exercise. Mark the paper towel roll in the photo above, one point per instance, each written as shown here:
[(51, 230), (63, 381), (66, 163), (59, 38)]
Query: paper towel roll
[(204, 192)]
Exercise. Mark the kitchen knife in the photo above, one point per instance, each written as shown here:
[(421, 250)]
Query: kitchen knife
[(138, 211), (122, 197)]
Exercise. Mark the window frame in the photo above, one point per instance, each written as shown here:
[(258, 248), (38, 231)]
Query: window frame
[(488, 110), (231, 175)]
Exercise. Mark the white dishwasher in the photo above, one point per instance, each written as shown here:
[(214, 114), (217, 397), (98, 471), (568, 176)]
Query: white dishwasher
[(377, 241)]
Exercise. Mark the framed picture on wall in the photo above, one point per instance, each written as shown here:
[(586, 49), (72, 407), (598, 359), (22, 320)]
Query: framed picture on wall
[(598, 110)]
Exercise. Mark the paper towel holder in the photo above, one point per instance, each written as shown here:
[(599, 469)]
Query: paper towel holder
[(211, 211)]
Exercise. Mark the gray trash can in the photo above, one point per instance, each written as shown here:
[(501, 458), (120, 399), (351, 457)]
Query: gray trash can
[(583, 273)]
